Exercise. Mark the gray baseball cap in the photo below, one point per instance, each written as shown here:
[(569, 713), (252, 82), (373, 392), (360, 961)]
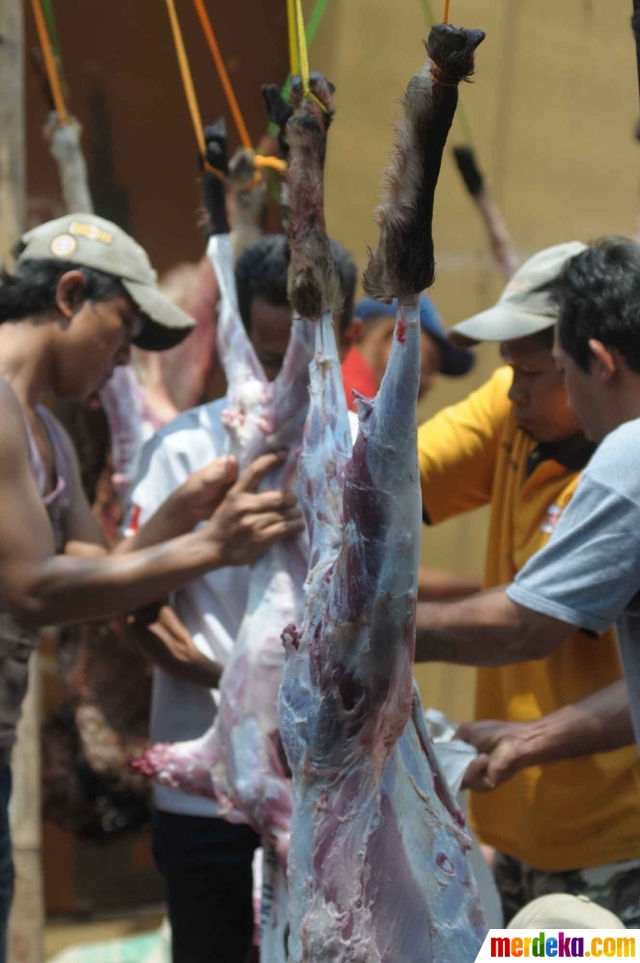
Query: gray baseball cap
[(522, 308), (91, 241)]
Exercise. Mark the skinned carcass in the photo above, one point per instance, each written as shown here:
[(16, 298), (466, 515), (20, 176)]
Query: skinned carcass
[(240, 761), (262, 416), (378, 868)]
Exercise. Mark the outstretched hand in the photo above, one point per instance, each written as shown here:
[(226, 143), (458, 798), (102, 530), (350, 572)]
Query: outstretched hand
[(502, 752), (205, 489), (247, 523)]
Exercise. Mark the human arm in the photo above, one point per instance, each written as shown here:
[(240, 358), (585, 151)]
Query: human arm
[(438, 585), (487, 629), (168, 643), (584, 578), (40, 588), (192, 502), (600, 722), (187, 505)]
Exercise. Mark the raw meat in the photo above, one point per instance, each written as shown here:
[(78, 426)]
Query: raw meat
[(238, 761), (378, 867)]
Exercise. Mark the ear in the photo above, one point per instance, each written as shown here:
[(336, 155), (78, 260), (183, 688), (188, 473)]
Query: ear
[(70, 293), (605, 364), (351, 335)]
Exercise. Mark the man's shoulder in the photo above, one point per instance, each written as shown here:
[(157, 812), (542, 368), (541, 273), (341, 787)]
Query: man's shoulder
[(616, 462), (191, 431)]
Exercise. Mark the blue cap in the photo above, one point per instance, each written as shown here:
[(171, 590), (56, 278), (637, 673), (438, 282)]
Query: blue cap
[(455, 361)]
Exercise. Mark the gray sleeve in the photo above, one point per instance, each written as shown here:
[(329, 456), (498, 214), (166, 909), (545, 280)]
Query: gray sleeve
[(590, 569)]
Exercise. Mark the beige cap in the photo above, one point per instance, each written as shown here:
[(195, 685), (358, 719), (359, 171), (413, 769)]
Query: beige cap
[(522, 309), (90, 241), (564, 909)]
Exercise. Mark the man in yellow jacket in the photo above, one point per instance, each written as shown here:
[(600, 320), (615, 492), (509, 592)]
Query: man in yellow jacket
[(571, 825)]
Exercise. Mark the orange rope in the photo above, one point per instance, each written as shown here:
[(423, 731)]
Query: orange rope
[(189, 89), (222, 73), (445, 19), (50, 64)]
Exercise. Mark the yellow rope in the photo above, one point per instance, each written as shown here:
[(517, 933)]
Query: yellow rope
[(445, 18), (50, 64), (189, 89), (298, 55), (192, 100), (294, 62), (302, 47)]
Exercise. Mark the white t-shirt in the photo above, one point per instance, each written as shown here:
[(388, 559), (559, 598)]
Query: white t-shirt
[(211, 608)]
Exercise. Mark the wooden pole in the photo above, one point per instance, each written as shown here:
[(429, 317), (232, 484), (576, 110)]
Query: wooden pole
[(635, 26), (26, 931), (27, 918), (12, 142)]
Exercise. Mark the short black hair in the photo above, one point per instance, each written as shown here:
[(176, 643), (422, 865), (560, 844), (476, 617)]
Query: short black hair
[(598, 296), (31, 289), (261, 272)]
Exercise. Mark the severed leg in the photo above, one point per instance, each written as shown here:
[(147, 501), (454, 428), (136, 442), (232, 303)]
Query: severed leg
[(500, 239), (403, 262)]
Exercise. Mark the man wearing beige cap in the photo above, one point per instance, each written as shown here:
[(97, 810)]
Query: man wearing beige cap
[(517, 447), (82, 292)]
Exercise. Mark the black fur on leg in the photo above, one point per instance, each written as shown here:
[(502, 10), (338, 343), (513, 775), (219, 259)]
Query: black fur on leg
[(403, 263), (213, 189)]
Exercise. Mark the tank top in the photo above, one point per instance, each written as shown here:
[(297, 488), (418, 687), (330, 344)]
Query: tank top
[(17, 644)]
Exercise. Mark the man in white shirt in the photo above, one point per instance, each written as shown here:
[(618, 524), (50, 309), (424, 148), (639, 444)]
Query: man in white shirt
[(205, 860)]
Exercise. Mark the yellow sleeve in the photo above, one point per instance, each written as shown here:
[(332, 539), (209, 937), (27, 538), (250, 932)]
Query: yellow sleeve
[(458, 448)]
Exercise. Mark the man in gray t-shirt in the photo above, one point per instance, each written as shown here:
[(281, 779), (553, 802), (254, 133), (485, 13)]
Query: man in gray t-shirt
[(589, 573)]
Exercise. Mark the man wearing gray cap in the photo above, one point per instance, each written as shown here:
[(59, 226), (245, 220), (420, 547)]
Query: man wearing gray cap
[(516, 446), (83, 291)]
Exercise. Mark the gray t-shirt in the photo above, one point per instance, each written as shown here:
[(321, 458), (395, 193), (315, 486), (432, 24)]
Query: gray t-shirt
[(589, 572)]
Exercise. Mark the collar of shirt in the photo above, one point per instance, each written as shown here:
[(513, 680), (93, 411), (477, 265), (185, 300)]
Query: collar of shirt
[(573, 454)]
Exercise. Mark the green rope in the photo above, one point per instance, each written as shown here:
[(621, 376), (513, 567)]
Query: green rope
[(427, 9), (310, 32), (461, 113)]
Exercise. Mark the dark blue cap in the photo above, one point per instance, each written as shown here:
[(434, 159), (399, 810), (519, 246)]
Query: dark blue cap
[(455, 361)]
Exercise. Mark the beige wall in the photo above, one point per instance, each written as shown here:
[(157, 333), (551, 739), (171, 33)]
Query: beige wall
[(552, 110)]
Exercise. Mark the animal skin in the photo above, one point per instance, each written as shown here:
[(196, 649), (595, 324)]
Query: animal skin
[(313, 288), (378, 867), (403, 262)]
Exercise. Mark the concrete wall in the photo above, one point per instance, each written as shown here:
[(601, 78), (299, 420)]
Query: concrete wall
[(552, 111)]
